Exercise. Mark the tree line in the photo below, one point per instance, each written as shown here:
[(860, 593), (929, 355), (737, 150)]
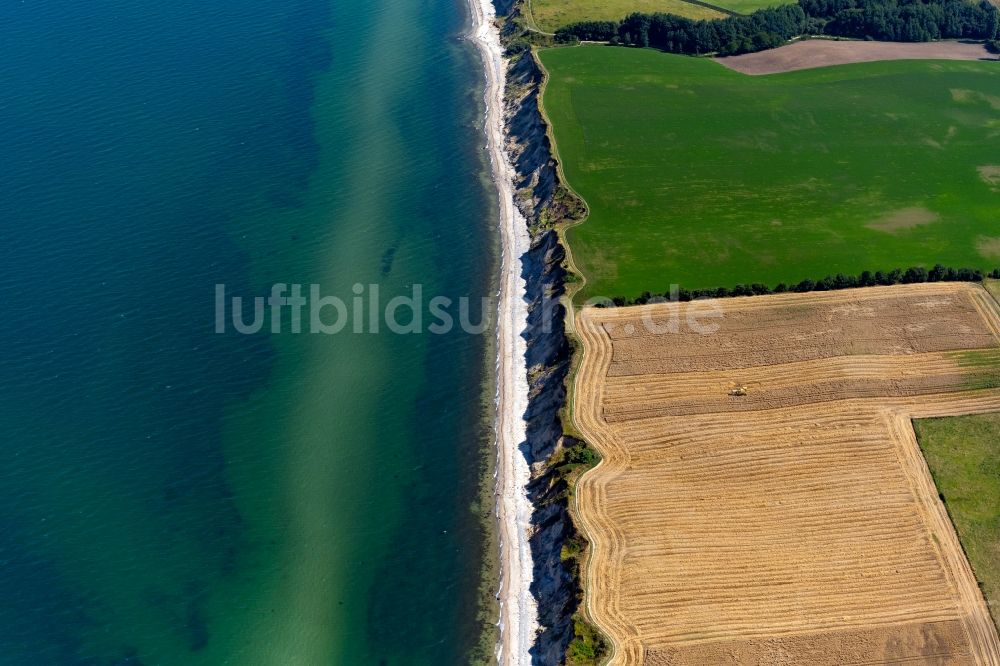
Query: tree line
[(914, 275), (888, 20)]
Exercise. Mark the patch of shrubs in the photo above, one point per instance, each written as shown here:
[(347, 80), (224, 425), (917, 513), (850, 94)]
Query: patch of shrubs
[(580, 454), (588, 647), (914, 275)]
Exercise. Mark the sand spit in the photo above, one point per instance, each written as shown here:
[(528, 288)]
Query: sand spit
[(518, 613), (824, 52)]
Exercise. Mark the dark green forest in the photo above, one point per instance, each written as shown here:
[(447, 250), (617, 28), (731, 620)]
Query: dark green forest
[(882, 20)]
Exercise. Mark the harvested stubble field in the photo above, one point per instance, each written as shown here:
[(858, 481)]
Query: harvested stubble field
[(797, 524)]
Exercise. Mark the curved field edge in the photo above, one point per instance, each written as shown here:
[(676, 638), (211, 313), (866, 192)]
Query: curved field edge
[(575, 280), (592, 359), (604, 533), (691, 238), (586, 634), (578, 280)]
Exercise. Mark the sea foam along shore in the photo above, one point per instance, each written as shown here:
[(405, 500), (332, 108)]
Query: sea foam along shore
[(518, 613)]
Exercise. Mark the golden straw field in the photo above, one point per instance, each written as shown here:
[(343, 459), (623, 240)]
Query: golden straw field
[(762, 498)]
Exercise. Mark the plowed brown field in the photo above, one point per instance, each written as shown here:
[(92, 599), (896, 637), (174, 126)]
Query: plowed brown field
[(797, 524), (823, 53)]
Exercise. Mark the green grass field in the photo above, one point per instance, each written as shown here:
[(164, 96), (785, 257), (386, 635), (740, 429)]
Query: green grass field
[(551, 14), (705, 177), (993, 286), (963, 454)]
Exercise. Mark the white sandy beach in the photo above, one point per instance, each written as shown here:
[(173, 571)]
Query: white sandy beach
[(518, 614)]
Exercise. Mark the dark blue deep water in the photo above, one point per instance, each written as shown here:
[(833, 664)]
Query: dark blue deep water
[(171, 495)]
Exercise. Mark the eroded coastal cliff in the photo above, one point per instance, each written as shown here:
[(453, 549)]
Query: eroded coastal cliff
[(554, 456)]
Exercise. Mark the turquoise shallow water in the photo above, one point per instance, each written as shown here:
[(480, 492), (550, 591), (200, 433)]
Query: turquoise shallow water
[(170, 495)]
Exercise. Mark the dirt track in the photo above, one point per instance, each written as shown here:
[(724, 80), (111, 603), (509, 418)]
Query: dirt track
[(797, 524), (824, 52)]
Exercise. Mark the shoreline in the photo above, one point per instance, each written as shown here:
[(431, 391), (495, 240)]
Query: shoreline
[(517, 609)]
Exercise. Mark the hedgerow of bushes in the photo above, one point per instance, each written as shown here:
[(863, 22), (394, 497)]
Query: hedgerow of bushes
[(914, 275)]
